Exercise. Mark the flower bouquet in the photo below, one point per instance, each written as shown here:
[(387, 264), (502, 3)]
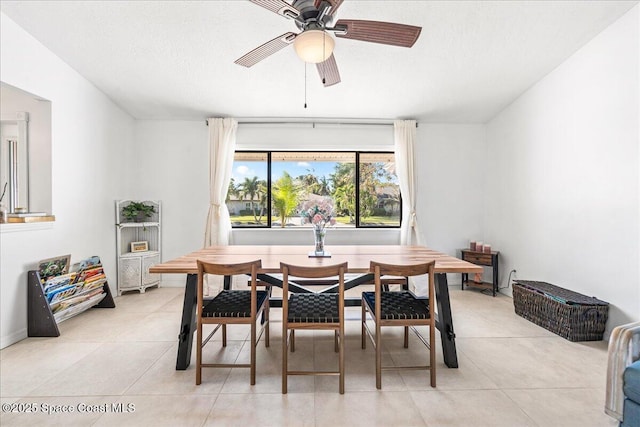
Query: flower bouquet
[(319, 213)]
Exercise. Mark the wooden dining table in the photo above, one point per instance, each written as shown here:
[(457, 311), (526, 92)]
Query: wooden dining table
[(358, 258)]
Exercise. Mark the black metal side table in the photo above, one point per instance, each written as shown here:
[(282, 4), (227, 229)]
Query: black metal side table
[(485, 259)]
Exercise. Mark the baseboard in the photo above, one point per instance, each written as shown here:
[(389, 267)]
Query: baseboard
[(6, 341)]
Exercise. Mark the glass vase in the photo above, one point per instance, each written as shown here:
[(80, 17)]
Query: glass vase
[(319, 234)]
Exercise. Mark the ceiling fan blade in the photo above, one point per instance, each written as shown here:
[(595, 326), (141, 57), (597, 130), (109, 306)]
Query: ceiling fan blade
[(379, 32), (328, 71), (335, 4), (267, 49), (280, 7)]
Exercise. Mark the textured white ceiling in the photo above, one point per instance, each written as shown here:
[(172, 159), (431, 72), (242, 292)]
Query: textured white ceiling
[(174, 59)]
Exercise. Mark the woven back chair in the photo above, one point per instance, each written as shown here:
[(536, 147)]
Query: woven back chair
[(312, 311), (399, 308), (231, 307)]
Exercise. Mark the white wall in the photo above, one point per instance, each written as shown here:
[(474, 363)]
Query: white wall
[(91, 139), (562, 190), (451, 173), (172, 165)]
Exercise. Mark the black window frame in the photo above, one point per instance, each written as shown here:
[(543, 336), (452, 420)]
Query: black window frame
[(357, 188)]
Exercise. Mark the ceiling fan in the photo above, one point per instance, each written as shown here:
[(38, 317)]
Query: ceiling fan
[(314, 43)]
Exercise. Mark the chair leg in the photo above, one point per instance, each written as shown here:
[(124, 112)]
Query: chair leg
[(266, 317), (363, 332), (224, 335), (253, 352), (293, 340), (199, 355), (335, 341), (432, 354), (284, 357), (341, 360), (406, 337), (378, 356)]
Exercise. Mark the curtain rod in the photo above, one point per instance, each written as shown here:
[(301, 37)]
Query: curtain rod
[(370, 122)]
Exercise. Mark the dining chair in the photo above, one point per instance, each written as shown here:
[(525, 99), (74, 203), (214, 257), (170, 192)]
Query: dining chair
[(231, 307), (312, 311), (400, 308)]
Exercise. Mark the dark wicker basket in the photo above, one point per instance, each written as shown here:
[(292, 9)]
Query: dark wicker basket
[(569, 314)]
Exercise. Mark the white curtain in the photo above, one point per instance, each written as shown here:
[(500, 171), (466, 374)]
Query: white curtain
[(222, 146), (404, 132), (404, 141)]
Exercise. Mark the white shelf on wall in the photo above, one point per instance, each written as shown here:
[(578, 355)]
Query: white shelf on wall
[(133, 267), (28, 226), (139, 254), (139, 224)]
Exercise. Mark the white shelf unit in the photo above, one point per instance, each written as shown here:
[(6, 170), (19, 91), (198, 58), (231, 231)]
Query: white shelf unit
[(133, 267)]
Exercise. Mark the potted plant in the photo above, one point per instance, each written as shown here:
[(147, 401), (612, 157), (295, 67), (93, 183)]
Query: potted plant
[(138, 211)]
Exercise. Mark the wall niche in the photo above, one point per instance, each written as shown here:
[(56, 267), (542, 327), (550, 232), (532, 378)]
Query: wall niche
[(25, 151)]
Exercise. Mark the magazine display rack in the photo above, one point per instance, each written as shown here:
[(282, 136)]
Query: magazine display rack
[(138, 246), (55, 298)]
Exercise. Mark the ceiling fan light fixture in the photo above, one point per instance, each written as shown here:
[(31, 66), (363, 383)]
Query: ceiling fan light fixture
[(314, 46)]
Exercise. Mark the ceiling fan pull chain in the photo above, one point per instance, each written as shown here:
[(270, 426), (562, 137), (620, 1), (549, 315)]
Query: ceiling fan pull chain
[(324, 62), (305, 85)]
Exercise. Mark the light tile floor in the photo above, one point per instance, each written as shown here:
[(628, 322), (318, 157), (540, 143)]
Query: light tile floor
[(512, 373)]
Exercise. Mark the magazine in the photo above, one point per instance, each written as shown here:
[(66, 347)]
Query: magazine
[(86, 264), (60, 293), (94, 284), (90, 274), (58, 282), (74, 302), (52, 267)]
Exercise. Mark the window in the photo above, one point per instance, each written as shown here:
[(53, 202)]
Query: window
[(247, 194), (379, 193), (269, 189)]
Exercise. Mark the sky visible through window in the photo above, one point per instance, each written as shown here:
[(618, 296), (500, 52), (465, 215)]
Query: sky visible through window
[(244, 170)]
